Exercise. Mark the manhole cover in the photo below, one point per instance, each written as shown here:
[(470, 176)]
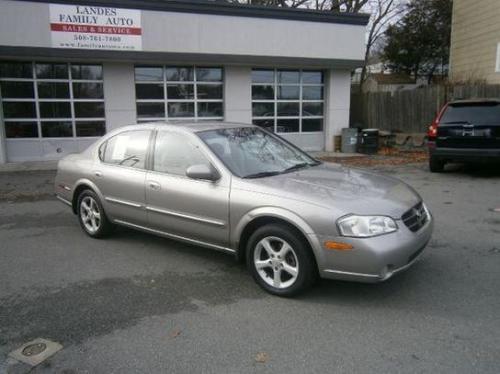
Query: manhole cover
[(34, 349)]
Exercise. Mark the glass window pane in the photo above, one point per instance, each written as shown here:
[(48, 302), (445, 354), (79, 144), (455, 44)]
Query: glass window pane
[(51, 71), (312, 109), (262, 76), (86, 72), (89, 110), (288, 76), (286, 109), (176, 110), (149, 91), (90, 128), (13, 90), (174, 153), (55, 109), (178, 74), (88, 91), (288, 92), (267, 124), (263, 109), (312, 124), (209, 91), (312, 93), (145, 110), (16, 70), (53, 90), (209, 74), (59, 129), (149, 73), (287, 125), (180, 91), (209, 109), (128, 148), (19, 110), (262, 92), (21, 129), (312, 77)]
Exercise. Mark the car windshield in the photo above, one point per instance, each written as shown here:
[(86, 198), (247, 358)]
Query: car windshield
[(476, 113), (250, 152)]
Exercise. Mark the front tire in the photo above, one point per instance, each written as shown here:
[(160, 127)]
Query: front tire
[(91, 215), (279, 260), (436, 165)]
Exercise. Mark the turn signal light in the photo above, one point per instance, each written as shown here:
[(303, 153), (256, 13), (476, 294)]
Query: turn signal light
[(338, 246)]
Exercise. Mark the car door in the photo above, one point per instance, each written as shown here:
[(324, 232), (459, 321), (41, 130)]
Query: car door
[(190, 208), (120, 175)]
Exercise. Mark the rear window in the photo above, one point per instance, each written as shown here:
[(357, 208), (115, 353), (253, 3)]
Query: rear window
[(477, 113)]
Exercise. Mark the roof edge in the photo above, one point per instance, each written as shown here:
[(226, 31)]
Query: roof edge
[(224, 9)]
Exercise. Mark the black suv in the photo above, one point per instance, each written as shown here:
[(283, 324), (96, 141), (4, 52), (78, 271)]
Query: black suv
[(465, 131)]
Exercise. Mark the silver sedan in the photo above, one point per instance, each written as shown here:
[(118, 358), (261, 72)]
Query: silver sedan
[(245, 191)]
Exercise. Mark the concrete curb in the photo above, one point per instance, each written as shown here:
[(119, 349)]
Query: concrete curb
[(28, 166)]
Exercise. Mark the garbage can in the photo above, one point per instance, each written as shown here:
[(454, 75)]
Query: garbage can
[(368, 143), (349, 140)]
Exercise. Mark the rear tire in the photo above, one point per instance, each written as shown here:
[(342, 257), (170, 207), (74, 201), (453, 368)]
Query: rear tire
[(279, 260), (436, 165), (91, 215)]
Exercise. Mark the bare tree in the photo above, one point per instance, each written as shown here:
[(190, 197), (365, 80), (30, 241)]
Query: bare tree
[(382, 13)]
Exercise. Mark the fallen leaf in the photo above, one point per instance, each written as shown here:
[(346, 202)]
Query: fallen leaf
[(175, 333), (262, 357)]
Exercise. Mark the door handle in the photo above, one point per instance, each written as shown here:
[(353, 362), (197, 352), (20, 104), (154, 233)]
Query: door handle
[(98, 174), (154, 185)]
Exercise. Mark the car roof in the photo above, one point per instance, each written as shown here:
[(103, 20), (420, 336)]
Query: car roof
[(186, 126), (474, 101)]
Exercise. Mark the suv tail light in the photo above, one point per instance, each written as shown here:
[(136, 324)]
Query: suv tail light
[(432, 131)]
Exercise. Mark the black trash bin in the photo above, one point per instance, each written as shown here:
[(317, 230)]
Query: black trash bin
[(368, 142)]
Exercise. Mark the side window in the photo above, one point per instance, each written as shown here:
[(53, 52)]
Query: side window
[(174, 153), (128, 148)]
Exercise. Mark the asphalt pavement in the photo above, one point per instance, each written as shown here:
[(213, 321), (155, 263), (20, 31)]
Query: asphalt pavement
[(135, 303)]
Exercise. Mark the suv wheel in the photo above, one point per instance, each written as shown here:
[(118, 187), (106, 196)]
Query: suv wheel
[(436, 165), (279, 260), (91, 215)]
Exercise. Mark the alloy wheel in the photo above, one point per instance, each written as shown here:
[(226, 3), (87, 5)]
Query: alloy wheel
[(276, 262), (90, 214)]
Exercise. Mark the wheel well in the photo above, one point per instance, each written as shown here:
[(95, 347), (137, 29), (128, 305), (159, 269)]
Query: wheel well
[(77, 193), (262, 221)]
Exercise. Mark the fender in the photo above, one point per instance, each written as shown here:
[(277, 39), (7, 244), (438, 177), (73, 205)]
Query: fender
[(92, 185), (275, 212)]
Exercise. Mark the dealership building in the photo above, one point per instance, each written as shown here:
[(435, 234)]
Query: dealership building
[(72, 70)]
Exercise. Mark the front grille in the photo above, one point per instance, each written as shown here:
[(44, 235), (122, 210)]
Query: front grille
[(416, 217)]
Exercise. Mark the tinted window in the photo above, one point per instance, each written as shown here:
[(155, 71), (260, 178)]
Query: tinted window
[(174, 153), (474, 114), (128, 148), (17, 90)]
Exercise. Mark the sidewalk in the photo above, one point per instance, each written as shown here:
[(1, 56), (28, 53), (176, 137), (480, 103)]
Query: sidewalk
[(28, 166)]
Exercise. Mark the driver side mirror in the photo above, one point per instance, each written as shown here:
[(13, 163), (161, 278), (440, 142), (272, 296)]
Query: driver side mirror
[(203, 171)]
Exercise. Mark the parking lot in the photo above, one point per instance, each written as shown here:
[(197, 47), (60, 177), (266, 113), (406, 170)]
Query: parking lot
[(139, 303)]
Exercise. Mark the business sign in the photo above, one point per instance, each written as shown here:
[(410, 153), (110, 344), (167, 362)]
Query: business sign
[(93, 27)]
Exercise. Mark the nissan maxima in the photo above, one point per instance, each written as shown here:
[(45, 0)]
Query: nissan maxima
[(248, 192)]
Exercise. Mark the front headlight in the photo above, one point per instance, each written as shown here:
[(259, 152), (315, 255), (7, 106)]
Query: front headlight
[(366, 226)]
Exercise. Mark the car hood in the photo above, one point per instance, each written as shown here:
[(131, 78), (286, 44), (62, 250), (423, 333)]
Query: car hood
[(342, 189)]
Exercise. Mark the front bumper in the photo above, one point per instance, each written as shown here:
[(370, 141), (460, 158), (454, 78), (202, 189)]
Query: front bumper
[(373, 259)]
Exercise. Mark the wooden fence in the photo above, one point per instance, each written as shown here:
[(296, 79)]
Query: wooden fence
[(410, 111)]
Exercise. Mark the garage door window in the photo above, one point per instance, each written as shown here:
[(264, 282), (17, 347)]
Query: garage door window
[(52, 100), (288, 101), (179, 93)]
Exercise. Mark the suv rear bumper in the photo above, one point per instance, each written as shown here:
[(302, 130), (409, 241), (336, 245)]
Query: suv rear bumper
[(465, 154)]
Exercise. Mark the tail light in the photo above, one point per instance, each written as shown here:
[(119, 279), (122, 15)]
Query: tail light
[(432, 131)]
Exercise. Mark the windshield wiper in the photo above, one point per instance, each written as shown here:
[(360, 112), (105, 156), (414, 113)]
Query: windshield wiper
[(296, 166), (262, 174)]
